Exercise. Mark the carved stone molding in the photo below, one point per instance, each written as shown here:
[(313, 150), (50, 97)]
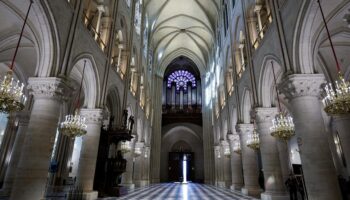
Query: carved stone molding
[(244, 128), (265, 114), (93, 116), (298, 85), (48, 87), (233, 137)]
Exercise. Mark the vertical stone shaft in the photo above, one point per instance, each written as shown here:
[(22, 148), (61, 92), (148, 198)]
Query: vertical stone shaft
[(34, 162), (303, 91)]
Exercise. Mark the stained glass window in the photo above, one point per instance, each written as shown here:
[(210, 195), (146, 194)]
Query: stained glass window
[(138, 15), (181, 78)]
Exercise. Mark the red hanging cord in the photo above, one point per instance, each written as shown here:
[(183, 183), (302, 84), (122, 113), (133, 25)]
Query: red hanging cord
[(329, 36), (274, 78), (20, 36), (81, 86)]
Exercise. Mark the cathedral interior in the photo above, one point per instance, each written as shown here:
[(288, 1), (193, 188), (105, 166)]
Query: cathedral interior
[(174, 99)]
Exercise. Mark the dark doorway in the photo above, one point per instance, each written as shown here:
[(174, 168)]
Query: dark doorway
[(175, 166)]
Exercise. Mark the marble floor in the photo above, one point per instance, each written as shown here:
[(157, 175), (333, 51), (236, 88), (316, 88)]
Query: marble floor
[(190, 191)]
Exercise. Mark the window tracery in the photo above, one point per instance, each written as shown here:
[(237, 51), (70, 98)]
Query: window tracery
[(181, 78)]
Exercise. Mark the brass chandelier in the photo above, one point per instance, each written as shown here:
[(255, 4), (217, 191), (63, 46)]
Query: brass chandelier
[(253, 141), (74, 125), (337, 99), (12, 98), (282, 125)]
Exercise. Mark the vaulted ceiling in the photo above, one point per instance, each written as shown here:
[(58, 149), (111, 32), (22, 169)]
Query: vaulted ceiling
[(182, 27)]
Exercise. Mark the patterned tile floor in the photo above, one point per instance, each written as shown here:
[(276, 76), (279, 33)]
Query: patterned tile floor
[(178, 191)]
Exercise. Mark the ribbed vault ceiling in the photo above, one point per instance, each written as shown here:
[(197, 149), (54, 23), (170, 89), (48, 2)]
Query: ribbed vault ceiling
[(182, 27)]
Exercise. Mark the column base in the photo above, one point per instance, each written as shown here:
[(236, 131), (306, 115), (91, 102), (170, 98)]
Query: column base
[(143, 183), (255, 192), (235, 187), (221, 184), (93, 195), (128, 186), (274, 196)]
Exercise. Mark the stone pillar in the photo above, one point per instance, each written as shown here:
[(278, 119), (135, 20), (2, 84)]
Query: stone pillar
[(127, 176), (32, 170), (274, 184), (253, 31), (88, 152), (342, 124), (249, 162), (283, 152), (257, 10), (23, 119), (236, 164), (226, 163), (120, 48), (156, 134), (302, 91), (218, 166), (100, 9)]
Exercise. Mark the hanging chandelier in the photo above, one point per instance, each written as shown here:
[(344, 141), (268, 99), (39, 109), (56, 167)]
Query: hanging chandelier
[(253, 141), (282, 125), (12, 98), (237, 147), (337, 98), (125, 147), (74, 125)]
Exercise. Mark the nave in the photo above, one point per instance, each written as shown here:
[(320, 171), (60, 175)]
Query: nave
[(179, 191)]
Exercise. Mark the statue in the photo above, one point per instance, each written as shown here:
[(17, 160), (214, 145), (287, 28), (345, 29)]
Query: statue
[(125, 118), (131, 123)]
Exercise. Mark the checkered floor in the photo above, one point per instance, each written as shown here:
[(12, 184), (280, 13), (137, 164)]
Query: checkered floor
[(191, 191)]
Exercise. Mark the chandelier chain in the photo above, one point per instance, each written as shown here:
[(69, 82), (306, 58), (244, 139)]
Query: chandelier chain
[(329, 37), (21, 35)]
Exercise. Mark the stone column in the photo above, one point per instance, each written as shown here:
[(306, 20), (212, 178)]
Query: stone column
[(127, 176), (342, 124), (302, 91), (274, 184), (253, 31), (23, 119), (88, 152), (218, 166), (236, 164), (145, 167), (32, 170), (257, 10), (156, 134), (100, 9), (249, 162), (226, 163)]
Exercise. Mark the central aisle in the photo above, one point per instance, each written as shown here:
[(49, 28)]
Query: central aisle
[(190, 191)]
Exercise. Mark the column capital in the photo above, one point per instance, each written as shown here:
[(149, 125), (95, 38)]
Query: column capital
[(265, 114), (299, 85), (233, 137), (49, 87), (224, 143), (101, 8), (93, 116), (244, 128)]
